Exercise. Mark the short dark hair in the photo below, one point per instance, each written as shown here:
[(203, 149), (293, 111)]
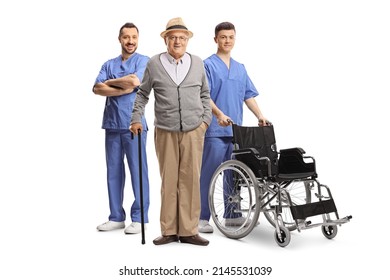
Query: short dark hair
[(224, 26), (128, 25)]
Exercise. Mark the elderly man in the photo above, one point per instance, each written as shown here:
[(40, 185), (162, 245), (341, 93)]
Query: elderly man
[(182, 116)]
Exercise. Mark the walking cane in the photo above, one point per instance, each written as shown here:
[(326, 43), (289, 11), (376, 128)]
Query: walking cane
[(140, 187)]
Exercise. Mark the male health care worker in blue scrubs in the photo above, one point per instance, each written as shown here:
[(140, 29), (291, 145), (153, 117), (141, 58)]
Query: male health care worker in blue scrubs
[(118, 81), (230, 87)]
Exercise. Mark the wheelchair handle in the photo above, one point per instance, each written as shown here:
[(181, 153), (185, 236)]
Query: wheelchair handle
[(260, 121)]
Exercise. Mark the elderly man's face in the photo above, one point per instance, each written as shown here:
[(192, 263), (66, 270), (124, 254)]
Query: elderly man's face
[(176, 42)]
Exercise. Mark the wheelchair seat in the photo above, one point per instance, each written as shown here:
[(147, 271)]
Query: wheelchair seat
[(256, 147)]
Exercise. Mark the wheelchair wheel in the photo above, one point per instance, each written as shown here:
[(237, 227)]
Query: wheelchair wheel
[(329, 231), (300, 193), (284, 238), (234, 199)]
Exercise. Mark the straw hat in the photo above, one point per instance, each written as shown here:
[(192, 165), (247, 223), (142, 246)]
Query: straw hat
[(176, 24)]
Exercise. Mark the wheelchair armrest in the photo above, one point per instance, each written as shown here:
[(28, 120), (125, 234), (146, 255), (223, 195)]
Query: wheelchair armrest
[(246, 151), (292, 161), (252, 151), (312, 158), (293, 150)]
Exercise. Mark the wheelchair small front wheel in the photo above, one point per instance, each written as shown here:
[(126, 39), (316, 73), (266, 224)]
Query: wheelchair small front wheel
[(329, 231), (283, 238)]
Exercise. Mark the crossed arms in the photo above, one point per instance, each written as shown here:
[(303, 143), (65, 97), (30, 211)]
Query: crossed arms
[(117, 87)]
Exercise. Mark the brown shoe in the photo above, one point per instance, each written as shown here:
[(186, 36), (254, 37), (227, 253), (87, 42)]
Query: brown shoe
[(194, 239), (165, 239)]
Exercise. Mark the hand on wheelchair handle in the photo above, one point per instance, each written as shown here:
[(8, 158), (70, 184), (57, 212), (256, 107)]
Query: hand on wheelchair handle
[(267, 122)]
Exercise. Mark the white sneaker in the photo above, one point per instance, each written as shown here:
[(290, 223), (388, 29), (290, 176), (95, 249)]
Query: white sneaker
[(110, 225), (205, 227), (237, 222), (134, 227)]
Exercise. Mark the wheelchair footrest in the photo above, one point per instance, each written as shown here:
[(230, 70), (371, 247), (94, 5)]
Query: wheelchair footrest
[(312, 209), (338, 222)]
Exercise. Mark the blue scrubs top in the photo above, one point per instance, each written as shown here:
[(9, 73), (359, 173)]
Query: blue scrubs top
[(118, 109), (229, 88)]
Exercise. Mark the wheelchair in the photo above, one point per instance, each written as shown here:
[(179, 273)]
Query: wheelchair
[(283, 185)]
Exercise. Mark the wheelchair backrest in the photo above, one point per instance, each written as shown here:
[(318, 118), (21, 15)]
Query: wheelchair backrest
[(262, 139)]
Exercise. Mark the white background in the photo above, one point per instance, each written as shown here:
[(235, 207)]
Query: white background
[(322, 68)]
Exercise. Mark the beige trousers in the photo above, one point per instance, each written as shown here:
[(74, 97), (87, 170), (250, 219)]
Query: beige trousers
[(179, 156)]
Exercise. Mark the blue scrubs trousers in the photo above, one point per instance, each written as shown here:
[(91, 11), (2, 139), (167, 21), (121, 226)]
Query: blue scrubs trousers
[(216, 150), (118, 144)]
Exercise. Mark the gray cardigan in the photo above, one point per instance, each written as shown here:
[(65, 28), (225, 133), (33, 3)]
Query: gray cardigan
[(177, 107)]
